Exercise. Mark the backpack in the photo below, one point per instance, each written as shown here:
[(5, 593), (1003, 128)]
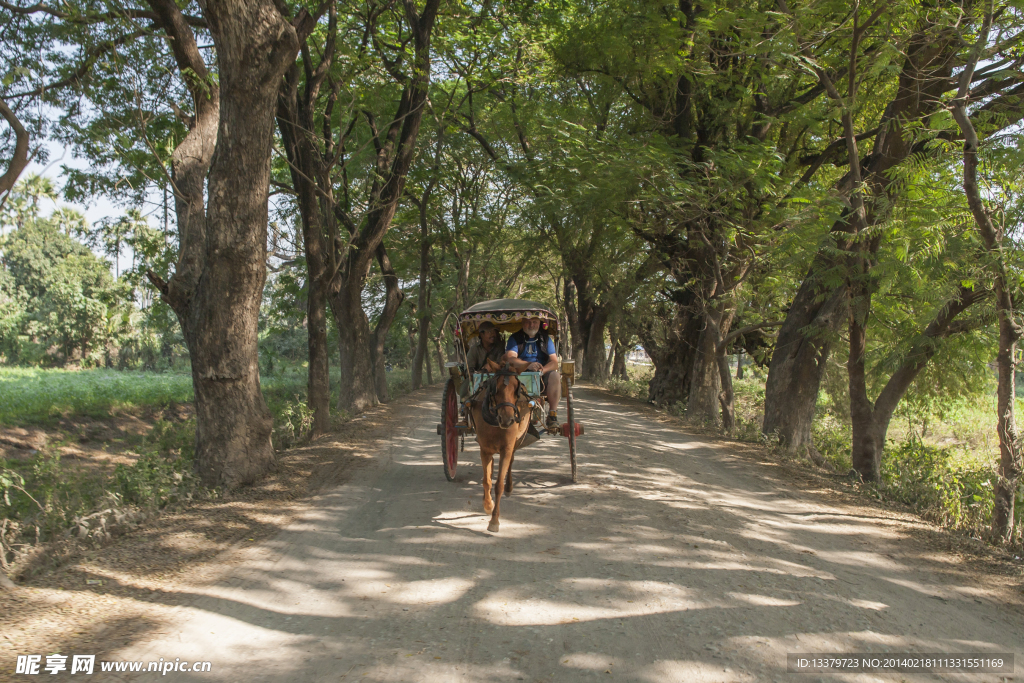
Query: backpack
[(542, 345)]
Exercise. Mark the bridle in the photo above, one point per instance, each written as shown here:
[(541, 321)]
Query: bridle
[(505, 372)]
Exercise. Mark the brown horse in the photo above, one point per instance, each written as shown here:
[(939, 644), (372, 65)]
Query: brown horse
[(501, 416)]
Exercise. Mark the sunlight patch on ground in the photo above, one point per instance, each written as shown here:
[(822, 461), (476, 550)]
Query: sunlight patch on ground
[(510, 607), (868, 604), (430, 591), (763, 600), (690, 671), (594, 661), (478, 523)]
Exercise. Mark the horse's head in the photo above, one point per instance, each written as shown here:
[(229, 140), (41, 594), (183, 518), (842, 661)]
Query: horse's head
[(506, 394)]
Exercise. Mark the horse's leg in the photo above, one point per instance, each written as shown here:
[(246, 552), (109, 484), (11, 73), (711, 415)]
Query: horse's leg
[(487, 460), (508, 479), (506, 463)]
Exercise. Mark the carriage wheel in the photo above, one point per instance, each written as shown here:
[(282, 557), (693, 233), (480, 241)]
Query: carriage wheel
[(572, 433), (450, 435)]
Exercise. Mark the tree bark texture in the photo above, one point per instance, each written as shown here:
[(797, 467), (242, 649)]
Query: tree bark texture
[(817, 313), (595, 367), (217, 287), (672, 349), (704, 401)]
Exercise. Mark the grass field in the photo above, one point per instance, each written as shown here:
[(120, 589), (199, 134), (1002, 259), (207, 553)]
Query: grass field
[(34, 395)]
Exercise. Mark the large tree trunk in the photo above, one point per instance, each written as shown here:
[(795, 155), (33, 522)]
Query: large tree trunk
[(704, 402), (217, 287), (356, 363), (672, 350), (254, 47), (798, 364)]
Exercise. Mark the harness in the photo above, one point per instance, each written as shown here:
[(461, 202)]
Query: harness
[(486, 396)]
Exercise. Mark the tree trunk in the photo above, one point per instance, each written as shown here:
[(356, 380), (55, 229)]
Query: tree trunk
[(254, 47), (217, 288), (798, 365), (871, 421), (672, 351), (726, 398), (357, 391), (392, 301), (594, 358), (440, 356), (704, 402), (423, 300), (739, 364), (619, 366), (295, 121), (1011, 459), (868, 433), (19, 159)]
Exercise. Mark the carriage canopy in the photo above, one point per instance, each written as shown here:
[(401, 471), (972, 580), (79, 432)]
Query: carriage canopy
[(507, 315)]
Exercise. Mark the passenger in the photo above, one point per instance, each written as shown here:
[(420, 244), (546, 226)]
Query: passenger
[(531, 350), (487, 345)]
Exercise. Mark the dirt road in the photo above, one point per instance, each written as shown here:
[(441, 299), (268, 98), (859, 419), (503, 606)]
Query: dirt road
[(671, 560)]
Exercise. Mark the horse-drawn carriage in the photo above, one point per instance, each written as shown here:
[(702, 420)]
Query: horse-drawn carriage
[(508, 316)]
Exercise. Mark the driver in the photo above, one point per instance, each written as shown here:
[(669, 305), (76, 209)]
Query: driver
[(531, 350)]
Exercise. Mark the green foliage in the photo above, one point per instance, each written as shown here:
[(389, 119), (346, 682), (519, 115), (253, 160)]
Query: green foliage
[(637, 384), (42, 493), (293, 423), (58, 301), (163, 473), (946, 485), (36, 395)]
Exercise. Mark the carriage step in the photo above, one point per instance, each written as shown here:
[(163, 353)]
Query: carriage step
[(565, 429)]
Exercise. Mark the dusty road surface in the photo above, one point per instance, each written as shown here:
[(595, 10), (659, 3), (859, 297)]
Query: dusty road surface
[(672, 559)]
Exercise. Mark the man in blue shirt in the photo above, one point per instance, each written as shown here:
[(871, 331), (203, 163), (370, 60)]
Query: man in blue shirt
[(531, 350)]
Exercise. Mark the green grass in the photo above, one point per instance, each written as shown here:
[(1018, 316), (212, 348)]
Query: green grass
[(35, 395), (32, 395)]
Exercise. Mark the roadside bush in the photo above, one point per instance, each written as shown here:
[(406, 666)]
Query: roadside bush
[(637, 386), (293, 423), (945, 485), (41, 499)]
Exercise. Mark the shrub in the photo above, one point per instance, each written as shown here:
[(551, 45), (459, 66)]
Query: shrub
[(945, 485)]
